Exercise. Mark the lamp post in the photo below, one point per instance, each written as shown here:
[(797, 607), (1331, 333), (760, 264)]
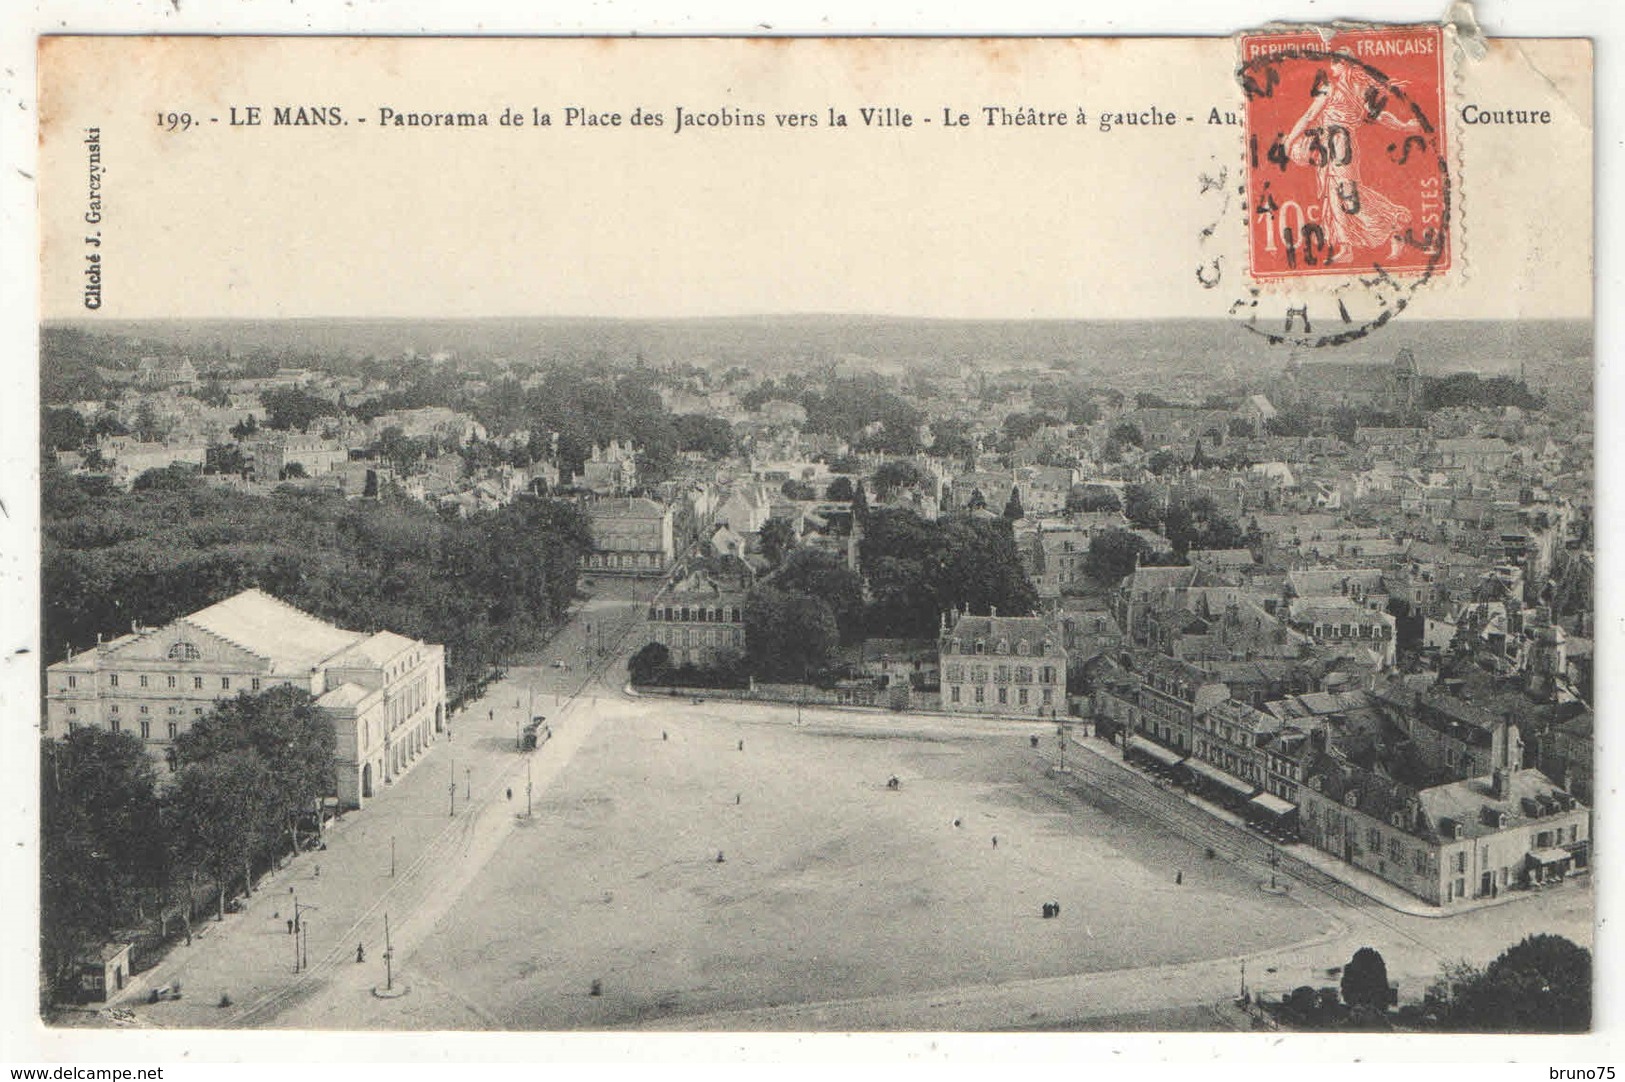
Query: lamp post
[(451, 789), (527, 788), (468, 783), (389, 958), (301, 933)]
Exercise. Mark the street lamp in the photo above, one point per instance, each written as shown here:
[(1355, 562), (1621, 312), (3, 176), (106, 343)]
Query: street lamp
[(468, 783), (451, 789)]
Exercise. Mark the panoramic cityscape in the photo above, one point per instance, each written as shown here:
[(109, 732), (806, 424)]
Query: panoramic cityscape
[(816, 674)]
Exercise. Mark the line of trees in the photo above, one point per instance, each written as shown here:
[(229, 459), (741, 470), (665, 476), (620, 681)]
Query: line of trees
[(119, 851), (486, 586)]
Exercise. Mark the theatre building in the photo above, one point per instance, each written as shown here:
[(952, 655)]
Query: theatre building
[(385, 693)]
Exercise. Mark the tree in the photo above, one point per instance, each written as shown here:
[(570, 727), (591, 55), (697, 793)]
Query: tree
[(840, 489), (1162, 462), (1365, 980), (286, 731), (100, 840), (778, 538), (1127, 432), (1012, 507), (977, 501), (860, 502), (175, 477), (1113, 555), (1539, 985), (798, 490), (292, 408), (896, 475), (218, 815), (1085, 498), (1143, 506), (820, 574), (63, 430), (294, 471), (245, 428), (710, 436), (650, 664), (787, 635)]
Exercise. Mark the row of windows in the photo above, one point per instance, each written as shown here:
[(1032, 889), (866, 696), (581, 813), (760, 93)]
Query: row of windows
[(1002, 647), (699, 614), (979, 695), (1001, 674), (1348, 631), (144, 680), (146, 728)]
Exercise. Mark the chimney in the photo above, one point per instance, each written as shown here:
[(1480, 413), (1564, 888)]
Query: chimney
[(1500, 783)]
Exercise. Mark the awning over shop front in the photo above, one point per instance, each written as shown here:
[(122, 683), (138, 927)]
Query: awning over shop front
[(1549, 856), (1219, 777), (1273, 804), (1161, 754)]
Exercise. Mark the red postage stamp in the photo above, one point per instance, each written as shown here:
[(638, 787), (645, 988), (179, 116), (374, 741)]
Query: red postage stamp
[(1346, 167)]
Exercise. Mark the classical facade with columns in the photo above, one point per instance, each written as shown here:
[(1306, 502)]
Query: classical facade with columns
[(385, 693)]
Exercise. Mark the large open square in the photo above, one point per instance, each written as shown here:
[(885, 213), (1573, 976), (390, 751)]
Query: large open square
[(695, 863)]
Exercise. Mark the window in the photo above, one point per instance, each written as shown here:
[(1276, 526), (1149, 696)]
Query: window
[(73, 681), (1004, 696), (1419, 862), (115, 726), (143, 708), (981, 694), (143, 680), (112, 680), (254, 684), (183, 651), (197, 710), (1460, 863), (1021, 696), (171, 680), (1395, 852), (225, 683), (73, 710), (1049, 696), (113, 709), (953, 695), (174, 710), (1373, 840), (146, 730), (197, 683)]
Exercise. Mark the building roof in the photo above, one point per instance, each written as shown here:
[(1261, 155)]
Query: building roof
[(378, 648), (1006, 631), (273, 629), (345, 695), (1530, 796)]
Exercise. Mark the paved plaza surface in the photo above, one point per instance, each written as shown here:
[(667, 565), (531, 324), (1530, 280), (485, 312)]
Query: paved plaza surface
[(838, 903)]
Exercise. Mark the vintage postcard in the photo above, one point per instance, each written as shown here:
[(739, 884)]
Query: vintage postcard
[(816, 535)]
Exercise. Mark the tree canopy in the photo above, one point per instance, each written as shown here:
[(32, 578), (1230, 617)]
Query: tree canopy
[(918, 569)]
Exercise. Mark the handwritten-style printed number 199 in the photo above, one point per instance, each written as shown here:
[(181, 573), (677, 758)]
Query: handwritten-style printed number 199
[(175, 121)]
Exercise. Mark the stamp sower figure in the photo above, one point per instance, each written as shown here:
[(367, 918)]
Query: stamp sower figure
[(360, 953)]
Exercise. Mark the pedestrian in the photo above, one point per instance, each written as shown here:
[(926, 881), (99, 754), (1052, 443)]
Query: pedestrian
[(360, 954), (719, 856), (290, 926), (995, 841), (1055, 907), (741, 745), (736, 798), (1179, 879), (318, 874), (510, 794), (956, 822), (662, 734)]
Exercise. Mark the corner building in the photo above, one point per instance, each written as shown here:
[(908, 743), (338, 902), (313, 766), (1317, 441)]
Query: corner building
[(385, 693)]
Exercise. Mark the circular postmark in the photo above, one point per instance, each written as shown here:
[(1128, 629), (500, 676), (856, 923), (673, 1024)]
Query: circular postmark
[(1345, 186)]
